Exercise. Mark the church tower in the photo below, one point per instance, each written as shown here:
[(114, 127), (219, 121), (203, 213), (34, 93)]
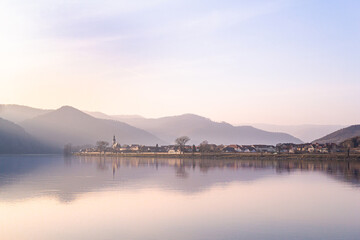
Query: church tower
[(114, 140)]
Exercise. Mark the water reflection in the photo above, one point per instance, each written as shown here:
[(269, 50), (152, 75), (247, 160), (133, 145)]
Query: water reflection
[(348, 171), (343, 170), (66, 177), (52, 197)]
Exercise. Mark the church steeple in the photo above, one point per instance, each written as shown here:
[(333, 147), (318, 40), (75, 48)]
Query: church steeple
[(114, 140)]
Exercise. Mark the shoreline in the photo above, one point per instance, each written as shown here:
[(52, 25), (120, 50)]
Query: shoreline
[(240, 156)]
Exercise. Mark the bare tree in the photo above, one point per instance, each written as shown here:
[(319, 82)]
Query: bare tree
[(204, 147), (181, 141), (101, 146)]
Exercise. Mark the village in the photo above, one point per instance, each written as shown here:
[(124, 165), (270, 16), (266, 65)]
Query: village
[(206, 147)]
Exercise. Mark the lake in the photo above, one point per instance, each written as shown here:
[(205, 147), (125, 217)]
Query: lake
[(55, 197)]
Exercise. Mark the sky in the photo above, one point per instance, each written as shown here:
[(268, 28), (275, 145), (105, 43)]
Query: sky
[(275, 61)]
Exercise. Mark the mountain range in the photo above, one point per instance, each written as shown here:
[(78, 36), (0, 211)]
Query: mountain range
[(69, 125), (18, 113), (200, 128), (14, 139), (58, 127), (305, 132), (340, 135)]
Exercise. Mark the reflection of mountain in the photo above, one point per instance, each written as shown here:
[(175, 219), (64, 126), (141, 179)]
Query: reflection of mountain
[(29, 176), (66, 178)]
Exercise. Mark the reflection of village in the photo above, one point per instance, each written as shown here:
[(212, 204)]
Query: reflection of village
[(348, 171)]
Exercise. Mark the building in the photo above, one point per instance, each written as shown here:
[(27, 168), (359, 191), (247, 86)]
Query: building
[(115, 145)]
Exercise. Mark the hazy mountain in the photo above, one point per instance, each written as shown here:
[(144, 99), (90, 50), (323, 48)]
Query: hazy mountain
[(60, 127), (340, 135), (100, 115), (306, 132), (18, 113), (113, 117), (199, 128), (69, 125), (120, 117), (14, 139)]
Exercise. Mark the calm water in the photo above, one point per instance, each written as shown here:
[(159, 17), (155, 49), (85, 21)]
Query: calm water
[(52, 197)]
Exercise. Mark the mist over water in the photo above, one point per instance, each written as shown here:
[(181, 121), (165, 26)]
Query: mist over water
[(144, 198)]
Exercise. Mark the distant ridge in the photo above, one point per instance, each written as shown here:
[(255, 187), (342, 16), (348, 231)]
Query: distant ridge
[(199, 128), (340, 135), (305, 132), (113, 117), (15, 140), (70, 125), (18, 113)]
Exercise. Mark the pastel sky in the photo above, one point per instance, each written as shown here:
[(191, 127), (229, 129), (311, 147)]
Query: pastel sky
[(274, 61)]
